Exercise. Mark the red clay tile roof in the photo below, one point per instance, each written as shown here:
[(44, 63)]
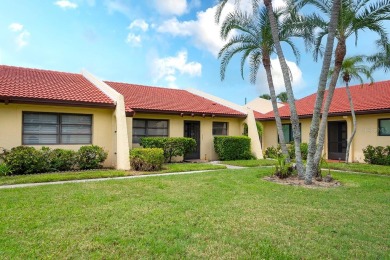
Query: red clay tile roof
[(366, 99), (160, 100), (36, 85)]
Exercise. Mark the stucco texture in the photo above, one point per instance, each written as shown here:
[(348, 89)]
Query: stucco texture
[(102, 126), (366, 134), (176, 129)]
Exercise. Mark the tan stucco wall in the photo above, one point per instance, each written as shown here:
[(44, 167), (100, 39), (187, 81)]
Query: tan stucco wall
[(366, 134), (176, 129), (102, 128)]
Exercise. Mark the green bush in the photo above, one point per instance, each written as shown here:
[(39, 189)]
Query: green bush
[(272, 152), (377, 155), (4, 169), (172, 146), (62, 160), (26, 160), (146, 159), (233, 147), (282, 169), (91, 157)]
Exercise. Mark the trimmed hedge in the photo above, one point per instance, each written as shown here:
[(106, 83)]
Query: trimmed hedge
[(146, 159), (28, 160), (233, 147), (91, 157), (172, 146), (377, 155)]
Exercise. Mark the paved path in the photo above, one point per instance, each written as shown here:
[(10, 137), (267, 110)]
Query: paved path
[(97, 179)]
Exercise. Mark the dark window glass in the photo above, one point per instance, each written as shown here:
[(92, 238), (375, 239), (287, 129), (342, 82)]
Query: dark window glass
[(288, 133), (384, 127), (220, 128), (51, 128), (149, 128)]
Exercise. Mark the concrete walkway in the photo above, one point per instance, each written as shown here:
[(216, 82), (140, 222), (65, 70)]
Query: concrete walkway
[(227, 166), (97, 179)]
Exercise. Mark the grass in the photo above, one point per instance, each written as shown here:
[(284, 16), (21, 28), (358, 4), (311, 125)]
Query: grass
[(82, 175), (251, 163), (360, 167), (221, 214), (355, 167)]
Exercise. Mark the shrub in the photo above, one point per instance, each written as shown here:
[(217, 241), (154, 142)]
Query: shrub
[(282, 169), (26, 160), (233, 147), (62, 160), (272, 152), (377, 155), (146, 159), (4, 169), (91, 157), (172, 146)]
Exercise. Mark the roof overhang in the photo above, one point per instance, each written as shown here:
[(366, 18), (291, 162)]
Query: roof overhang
[(183, 113), (39, 101), (346, 113)]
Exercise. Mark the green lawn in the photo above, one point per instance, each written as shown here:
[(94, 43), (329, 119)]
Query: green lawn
[(221, 214), (360, 167), (356, 167), (67, 176), (251, 163)]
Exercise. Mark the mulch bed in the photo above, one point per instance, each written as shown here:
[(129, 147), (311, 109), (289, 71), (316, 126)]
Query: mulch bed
[(294, 181)]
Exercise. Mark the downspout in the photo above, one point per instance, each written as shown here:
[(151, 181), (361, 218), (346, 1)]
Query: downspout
[(122, 140)]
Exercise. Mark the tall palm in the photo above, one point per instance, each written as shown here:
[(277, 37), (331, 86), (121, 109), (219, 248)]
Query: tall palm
[(293, 6), (265, 96), (381, 59), (253, 39), (282, 96), (287, 83), (352, 68), (355, 16)]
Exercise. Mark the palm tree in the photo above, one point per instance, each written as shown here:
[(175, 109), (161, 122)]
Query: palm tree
[(355, 15), (254, 41), (352, 69), (282, 96), (287, 82), (293, 6), (381, 60), (265, 96)]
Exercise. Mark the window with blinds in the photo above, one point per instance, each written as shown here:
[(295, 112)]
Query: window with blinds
[(220, 128), (53, 128), (149, 128)]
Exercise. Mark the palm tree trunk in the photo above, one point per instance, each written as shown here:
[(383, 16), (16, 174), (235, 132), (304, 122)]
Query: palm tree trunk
[(287, 82), (353, 123), (315, 123), (339, 58), (267, 67)]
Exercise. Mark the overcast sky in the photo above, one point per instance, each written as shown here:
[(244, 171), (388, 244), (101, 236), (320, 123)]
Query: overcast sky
[(167, 43)]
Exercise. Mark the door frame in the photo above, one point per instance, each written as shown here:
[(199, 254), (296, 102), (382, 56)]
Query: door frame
[(196, 154), (336, 155)]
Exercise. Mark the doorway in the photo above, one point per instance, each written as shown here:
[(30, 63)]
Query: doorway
[(337, 140), (192, 130)]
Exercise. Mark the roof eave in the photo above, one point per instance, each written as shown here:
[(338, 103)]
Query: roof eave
[(183, 113), (39, 101)]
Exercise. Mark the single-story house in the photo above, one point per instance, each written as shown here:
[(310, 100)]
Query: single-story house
[(372, 108), (67, 110)]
